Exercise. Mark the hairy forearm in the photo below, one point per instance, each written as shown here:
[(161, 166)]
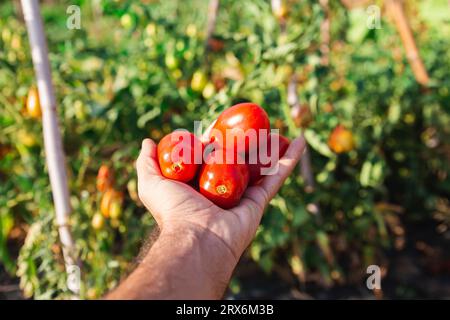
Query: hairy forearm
[(183, 263)]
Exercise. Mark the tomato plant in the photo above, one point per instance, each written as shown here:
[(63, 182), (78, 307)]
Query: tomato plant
[(126, 75)]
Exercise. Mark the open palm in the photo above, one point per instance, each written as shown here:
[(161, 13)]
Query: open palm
[(174, 204)]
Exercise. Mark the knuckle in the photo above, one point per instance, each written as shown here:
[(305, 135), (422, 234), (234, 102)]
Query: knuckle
[(265, 195)]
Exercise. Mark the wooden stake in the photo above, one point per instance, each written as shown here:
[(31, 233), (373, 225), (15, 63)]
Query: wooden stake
[(396, 11), (325, 33), (213, 9), (52, 135), (279, 11), (351, 4)]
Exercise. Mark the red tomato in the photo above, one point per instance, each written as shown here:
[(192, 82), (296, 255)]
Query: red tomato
[(302, 116), (179, 155), (255, 168), (234, 123), (216, 45), (341, 140), (223, 183)]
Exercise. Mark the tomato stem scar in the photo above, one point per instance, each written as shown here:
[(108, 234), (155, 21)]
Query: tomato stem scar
[(221, 189), (176, 167)]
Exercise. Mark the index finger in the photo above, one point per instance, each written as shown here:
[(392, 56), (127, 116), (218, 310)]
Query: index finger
[(264, 192), (286, 165)]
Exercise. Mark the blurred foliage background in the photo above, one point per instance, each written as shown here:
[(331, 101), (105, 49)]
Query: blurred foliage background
[(140, 69)]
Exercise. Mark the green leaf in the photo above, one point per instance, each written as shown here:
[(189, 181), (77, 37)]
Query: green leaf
[(152, 114), (266, 262), (301, 216), (279, 52), (377, 173), (315, 141), (255, 251)]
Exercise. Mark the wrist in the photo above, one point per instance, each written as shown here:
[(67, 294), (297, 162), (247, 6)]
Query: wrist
[(200, 261), (194, 237)]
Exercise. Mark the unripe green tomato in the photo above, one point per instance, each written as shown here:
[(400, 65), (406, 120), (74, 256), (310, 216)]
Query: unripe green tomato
[(150, 29), (28, 290), (283, 73), (115, 210), (12, 57), (171, 61), (27, 138), (191, 30), (16, 42), (132, 189), (209, 90), (80, 110), (6, 35), (127, 21), (188, 55), (177, 74), (198, 81), (98, 221), (180, 45), (149, 43)]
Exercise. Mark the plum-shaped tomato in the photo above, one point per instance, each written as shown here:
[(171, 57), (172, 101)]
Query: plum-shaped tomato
[(33, 105), (105, 178), (179, 155), (221, 182), (239, 127)]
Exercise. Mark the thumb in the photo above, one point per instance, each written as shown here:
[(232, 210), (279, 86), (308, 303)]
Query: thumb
[(147, 163)]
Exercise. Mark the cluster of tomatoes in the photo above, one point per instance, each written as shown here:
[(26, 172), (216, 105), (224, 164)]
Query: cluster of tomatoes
[(111, 200), (218, 169)]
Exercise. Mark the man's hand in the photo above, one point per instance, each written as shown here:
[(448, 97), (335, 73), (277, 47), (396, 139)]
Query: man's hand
[(193, 228), (177, 205)]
